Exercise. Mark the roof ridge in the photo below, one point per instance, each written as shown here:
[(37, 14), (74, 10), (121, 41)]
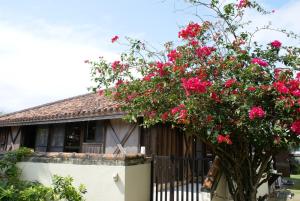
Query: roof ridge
[(47, 104)]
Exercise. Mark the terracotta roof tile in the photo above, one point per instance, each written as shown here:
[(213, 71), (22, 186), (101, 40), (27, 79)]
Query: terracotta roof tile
[(84, 106)]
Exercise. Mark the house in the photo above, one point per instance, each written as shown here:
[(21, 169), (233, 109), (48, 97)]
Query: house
[(86, 137)]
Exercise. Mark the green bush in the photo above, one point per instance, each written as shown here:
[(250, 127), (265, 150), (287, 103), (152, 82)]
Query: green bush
[(14, 189)]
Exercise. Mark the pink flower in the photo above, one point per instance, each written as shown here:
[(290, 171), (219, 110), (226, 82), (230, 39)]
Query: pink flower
[(114, 39), (242, 4), (204, 51), (259, 62), (295, 127), (195, 85), (229, 83), (298, 76), (173, 55), (276, 44), (280, 87), (100, 92), (296, 93), (191, 31), (256, 112)]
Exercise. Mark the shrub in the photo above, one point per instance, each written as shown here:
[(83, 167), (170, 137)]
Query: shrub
[(14, 189)]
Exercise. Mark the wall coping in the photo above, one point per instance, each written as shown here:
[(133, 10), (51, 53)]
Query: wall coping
[(87, 158)]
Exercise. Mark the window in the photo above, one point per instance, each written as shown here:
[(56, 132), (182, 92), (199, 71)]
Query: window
[(42, 139), (72, 138), (57, 136), (94, 131), (91, 131)]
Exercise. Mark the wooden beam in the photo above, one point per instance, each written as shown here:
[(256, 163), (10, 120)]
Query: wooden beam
[(117, 140), (126, 137)]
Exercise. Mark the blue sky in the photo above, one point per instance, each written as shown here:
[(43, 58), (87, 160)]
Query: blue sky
[(43, 43)]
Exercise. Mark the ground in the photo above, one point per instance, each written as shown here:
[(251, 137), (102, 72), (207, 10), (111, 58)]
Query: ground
[(296, 188), (283, 194)]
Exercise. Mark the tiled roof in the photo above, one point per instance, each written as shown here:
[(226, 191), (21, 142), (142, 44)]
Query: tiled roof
[(88, 106)]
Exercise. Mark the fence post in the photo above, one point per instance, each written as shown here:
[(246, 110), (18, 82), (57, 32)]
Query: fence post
[(152, 178)]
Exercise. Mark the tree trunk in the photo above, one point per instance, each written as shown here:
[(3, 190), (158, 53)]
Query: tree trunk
[(243, 176)]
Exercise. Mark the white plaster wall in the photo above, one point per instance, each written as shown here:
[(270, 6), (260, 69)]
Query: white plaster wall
[(133, 181), (137, 180), (98, 179)]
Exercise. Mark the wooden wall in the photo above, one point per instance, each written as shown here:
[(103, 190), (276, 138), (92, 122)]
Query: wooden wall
[(122, 136), (10, 138)]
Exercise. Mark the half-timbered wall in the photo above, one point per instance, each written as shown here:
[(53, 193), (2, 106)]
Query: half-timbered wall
[(14, 138), (4, 133), (122, 137)]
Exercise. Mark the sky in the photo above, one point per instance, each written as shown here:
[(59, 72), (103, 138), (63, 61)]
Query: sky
[(43, 44)]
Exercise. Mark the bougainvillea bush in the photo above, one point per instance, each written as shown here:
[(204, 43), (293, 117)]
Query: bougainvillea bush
[(240, 97)]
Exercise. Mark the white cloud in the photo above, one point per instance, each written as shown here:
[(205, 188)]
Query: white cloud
[(44, 63)]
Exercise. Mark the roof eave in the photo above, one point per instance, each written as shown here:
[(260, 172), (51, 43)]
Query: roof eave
[(64, 120)]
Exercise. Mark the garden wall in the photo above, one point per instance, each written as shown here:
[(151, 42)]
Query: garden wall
[(106, 177)]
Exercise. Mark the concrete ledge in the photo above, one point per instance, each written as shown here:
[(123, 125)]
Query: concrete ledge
[(86, 158)]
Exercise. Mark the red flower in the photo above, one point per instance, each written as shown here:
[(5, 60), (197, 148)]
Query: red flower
[(277, 140), (161, 68), (151, 114), (191, 31), (259, 62), (229, 83), (204, 51), (149, 77), (280, 87), (295, 127), (114, 39), (209, 118), (251, 88), (224, 139), (194, 43), (173, 55), (119, 82), (276, 44), (215, 97), (116, 65), (256, 112), (181, 113), (194, 84), (165, 116), (175, 110)]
